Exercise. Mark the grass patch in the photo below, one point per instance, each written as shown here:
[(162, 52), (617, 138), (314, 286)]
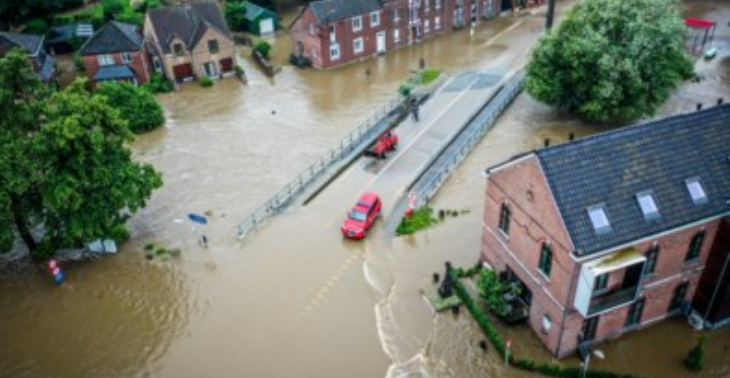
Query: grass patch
[(421, 219), (429, 76)]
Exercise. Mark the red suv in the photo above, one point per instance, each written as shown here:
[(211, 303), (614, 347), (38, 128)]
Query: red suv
[(361, 217)]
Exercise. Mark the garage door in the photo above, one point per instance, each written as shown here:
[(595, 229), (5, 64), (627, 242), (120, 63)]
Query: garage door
[(267, 26), (183, 71)]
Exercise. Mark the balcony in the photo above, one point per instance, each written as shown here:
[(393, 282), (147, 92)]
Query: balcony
[(609, 282), (612, 299)]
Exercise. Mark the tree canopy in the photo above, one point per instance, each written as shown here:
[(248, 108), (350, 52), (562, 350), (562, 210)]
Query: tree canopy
[(68, 177), (135, 104), (611, 60)]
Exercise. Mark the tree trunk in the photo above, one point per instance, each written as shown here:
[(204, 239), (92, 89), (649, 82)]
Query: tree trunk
[(20, 219)]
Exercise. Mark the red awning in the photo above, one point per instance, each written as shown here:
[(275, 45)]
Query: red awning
[(698, 23)]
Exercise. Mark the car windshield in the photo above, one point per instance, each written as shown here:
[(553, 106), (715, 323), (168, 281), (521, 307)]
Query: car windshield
[(356, 215)]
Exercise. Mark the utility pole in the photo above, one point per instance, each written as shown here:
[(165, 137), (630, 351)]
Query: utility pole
[(550, 14)]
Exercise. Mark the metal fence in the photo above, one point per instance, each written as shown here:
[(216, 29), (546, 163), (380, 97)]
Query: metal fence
[(349, 143), (432, 179)]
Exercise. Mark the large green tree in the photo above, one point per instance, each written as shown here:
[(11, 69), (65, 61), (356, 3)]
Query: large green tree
[(611, 60), (135, 104), (67, 169)]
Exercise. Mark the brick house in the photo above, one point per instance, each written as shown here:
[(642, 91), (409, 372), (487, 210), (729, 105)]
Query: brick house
[(190, 41), (612, 233), (34, 47), (116, 52), (329, 33)]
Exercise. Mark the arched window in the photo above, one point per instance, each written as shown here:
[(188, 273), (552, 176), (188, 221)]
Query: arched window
[(504, 218), (695, 246), (678, 297), (546, 259)]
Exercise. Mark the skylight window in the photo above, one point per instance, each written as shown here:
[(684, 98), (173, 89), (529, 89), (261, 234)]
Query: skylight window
[(599, 219), (648, 205), (696, 191)]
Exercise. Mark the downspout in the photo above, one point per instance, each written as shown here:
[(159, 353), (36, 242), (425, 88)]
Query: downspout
[(571, 299)]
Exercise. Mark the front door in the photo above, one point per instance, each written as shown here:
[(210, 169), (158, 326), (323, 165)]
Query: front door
[(209, 69), (381, 42)]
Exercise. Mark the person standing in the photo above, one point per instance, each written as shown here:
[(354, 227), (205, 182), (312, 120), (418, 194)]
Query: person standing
[(415, 112)]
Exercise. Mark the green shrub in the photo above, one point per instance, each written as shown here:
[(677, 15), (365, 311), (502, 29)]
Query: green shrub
[(491, 289), (158, 84), (153, 4), (37, 26), (239, 71), (79, 63), (135, 104), (235, 15), (263, 47), (130, 17), (420, 219), (696, 356), (205, 81), (405, 89), (138, 5), (429, 76), (112, 8)]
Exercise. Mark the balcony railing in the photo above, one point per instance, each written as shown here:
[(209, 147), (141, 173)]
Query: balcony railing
[(612, 299)]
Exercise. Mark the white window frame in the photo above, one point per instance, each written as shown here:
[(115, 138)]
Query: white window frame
[(396, 16), (357, 23), (396, 35), (374, 19), (427, 5), (333, 34), (426, 26), (437, 6), (599, 219), (311, 29), (696, 191), (358, 41), (157, 64), (127, 57), (334, 51), (437, 23), (648, 205)]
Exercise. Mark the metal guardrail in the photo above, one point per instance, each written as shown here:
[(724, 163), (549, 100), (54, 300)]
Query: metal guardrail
[(427, 186)]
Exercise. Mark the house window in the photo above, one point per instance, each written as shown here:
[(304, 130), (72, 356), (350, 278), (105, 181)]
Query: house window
[(437, 23), (156, 64), (589, 328), (357, 23), (213, 46), (426, 5), (126, 57), (396, 36), (599, 219), (601, 283), (311, 29), (504, 218), (651, 258), (547, 323), (178, 49), (546, 259), (105, 60), (696, 191), (374, 19), (396, 17), (358, 43), (426, 27), (678, 297), (438, 4), (648, 205), (333, 35), (334, 51), (695, 246), (635, 311)]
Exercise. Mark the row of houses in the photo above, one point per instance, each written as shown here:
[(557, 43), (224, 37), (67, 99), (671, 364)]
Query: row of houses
[(618, 231), (330, 33), (180, 42)]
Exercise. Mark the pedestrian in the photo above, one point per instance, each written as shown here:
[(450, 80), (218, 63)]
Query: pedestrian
[(415, 112), (204, 241)]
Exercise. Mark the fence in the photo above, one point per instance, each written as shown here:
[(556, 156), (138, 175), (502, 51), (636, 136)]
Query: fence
[(432, 179)]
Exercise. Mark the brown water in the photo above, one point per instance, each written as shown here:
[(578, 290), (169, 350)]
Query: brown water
[(295, 300)]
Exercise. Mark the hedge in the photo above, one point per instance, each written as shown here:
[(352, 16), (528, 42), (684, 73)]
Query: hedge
[(544, 368)]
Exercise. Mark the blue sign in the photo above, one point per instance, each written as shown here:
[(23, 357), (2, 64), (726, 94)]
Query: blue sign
[(197, 218)]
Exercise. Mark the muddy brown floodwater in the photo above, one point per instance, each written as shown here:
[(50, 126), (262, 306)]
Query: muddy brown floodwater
[(294, 299)]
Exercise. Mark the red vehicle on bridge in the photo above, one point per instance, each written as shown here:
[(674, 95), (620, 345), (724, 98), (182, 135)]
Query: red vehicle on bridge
[(387, 142), (361, 217)]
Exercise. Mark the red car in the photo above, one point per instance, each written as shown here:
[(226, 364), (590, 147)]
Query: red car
[(361, 217), (387, 142)]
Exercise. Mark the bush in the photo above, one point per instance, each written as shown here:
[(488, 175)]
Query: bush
[(153, 4), (405, 90), (37, 26), (239, 71), (205, 81), (420, 219), (429, 76), (490, 289), (696, 356), (130, 18), (112, 8), (79, 63), (135, 104), (263, 47), (235, 12), (158, 84)]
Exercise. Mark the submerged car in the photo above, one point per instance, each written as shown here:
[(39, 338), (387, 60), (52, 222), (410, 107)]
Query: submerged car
[(361, 217)]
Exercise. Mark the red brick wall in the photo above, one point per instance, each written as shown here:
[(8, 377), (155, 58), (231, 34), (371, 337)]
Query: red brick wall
[(310, 37), (140, 63), (534, 219)]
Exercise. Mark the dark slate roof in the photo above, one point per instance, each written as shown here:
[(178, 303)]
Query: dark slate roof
[(254, 11), (48, 68), (334, 10), (611, 168), (28, 42), (113, 37), (117, 72), (187, 22)]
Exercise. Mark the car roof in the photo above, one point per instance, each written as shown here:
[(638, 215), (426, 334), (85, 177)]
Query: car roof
[(367, 199)]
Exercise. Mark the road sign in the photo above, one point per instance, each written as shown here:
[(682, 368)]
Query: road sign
[(197, 218)]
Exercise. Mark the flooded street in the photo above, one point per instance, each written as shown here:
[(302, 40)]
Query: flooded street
[(294, 299)]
